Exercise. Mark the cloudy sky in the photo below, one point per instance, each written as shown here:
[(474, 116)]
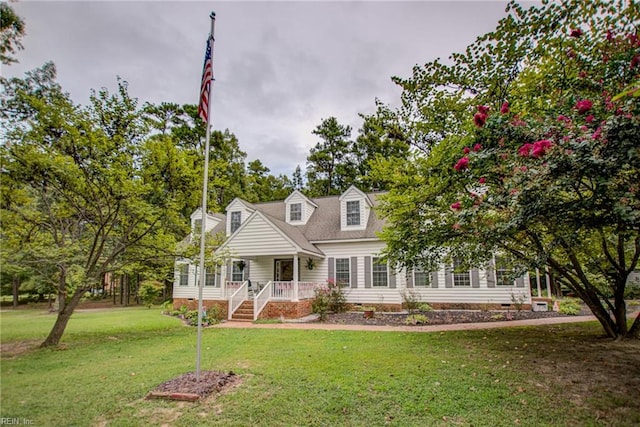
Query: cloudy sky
[(280, 67)]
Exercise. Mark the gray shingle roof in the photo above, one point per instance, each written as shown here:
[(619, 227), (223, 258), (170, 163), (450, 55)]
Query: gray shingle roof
[(323, 225)]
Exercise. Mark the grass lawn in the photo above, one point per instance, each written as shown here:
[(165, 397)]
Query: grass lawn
[(556, 375)]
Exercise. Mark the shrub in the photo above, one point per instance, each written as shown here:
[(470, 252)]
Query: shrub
[(328, 298), (570, 306), (424, 307), (410, 300), (416, 319), (518, 299), (150, 291)]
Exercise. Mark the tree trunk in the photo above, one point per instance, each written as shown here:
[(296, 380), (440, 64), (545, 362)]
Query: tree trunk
[(64, 314), (634, 331), (16, 287)]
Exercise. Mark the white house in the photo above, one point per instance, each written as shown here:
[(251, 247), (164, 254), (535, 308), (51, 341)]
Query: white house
[(278, 252)]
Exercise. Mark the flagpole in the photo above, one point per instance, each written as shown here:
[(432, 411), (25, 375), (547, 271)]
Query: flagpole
[(203, 224)]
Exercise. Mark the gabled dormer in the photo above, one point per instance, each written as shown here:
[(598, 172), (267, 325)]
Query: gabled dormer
[(237, 212), (355, 207), (196, 221), (298, 208)]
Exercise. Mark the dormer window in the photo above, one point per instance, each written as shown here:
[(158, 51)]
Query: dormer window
[(197, 226), (353, 212), (236, 220), (295, 212)]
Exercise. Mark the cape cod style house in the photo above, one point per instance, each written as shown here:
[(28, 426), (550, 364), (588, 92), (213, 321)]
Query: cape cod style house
[(278, 252)]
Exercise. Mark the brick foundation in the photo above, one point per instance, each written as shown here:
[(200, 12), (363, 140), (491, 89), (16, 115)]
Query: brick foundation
[(476, 306), (286, 309)]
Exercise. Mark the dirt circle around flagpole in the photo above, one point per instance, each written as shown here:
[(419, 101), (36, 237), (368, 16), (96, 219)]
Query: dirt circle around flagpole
[(186, 388)]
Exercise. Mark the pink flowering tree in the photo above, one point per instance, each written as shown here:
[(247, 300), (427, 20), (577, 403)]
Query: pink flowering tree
[(529, 144)]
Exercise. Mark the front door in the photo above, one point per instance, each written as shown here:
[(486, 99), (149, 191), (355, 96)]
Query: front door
[(283, 271)]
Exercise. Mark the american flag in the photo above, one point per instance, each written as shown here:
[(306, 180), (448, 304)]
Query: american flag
[(207, 76)]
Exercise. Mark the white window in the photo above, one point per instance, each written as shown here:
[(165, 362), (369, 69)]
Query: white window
[(295, 212), (237, 274), (236, 218), (342, 271), (504, 271), (460, 278), (421, 278), (210, 277), (353, 212), (184, 275), (379, 273)]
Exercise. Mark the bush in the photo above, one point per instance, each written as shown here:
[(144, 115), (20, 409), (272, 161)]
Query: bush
[(424, 307), (416, 319), (210, 316), (410, 300), (570, 306), (150, 291), (328, 299)]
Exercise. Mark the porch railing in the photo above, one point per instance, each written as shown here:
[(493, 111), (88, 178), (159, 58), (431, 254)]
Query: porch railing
[(231, 287), (305, 290), (261, 300), (287, 290), (238, 297)]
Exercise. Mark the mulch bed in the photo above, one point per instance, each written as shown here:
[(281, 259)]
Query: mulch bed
[(185, 387), (441, 317)]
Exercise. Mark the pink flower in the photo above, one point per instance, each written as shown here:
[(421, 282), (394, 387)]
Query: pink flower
[(466, 150), (456, 206), (477, 147), (596, 134), (523, 168), (456, 226), (462, 164), (540, 148), (589, 118), (525, 150), (575, 32), (582, 74), (609, 35), (635, 61), (565, 119), (583, 106), (583, 128), (482, 180), (483, 109), (480, 119), (505, 108)]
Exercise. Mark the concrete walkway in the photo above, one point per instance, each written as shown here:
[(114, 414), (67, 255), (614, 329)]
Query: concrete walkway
[(425, 328)]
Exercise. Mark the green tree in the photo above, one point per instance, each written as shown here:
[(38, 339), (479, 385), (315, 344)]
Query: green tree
[(380, 137), (524, 151), (75, 176), (12, 30), (330, 169), (263, 187), (297, 181)]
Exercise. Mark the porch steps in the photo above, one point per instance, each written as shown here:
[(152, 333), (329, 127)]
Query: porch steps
[(244, 313)]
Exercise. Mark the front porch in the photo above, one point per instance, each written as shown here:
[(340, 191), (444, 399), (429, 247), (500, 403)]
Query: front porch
[(251, 300), (247, 301)]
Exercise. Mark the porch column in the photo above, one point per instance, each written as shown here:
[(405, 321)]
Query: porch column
[(538, 282), (295, 277), (546, 273)]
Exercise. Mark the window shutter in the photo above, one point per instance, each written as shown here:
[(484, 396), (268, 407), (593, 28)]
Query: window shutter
[(491, 275), (247, 270), (354, 272), (392, 278), (475, 278), (367, 272), (434, 279), (409, 278), (332, 269), (520, 282), (448, 276)]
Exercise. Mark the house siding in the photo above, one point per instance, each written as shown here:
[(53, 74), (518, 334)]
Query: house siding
[(258, 230)]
